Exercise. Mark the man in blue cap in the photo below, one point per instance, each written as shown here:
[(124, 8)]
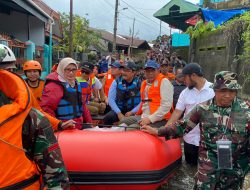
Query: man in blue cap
[(156, 99)]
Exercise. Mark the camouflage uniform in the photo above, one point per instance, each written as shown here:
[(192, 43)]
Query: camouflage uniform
[(41, 146), (216, 123)]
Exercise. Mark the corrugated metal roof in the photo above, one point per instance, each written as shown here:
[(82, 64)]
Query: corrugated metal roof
[(184, 8), (176, 12)]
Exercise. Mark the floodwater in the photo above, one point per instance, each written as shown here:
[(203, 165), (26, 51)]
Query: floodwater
[(183, 178)]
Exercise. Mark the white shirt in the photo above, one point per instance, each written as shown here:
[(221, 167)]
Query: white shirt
[(166, 93), (98, 84), (188, 99)]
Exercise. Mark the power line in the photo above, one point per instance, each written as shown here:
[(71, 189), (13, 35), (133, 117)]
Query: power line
[(109, 4), (138, 20), (141, 13)]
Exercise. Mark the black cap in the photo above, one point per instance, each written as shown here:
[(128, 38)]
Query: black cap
[(130, 65), (192, 68), (87, 66)]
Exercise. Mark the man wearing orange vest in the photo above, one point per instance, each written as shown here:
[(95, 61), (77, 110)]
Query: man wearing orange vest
[(32, 70), (156, 99), (112, 74), (27, 142), (164, 68)]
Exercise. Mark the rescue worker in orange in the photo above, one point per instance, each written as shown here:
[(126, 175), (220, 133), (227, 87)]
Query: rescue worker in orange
[(164, 68), (32, 70), (27, 142), (112, 74), (156, 99)]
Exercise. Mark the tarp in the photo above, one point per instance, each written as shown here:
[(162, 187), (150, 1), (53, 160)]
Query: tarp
[(221, 16), (193, 20)]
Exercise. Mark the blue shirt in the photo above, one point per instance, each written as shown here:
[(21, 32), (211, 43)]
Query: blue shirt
[(112, 98)]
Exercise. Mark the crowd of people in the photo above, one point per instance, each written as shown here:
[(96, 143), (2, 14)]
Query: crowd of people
[(168, 97)]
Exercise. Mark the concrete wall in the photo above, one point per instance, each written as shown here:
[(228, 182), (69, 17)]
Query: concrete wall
[(227, 4), (16, 24), (214, 53)]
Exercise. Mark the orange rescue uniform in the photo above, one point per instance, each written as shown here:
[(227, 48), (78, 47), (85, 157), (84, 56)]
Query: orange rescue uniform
[(108, 81), (154, 95), (37, 91), (15, 166)]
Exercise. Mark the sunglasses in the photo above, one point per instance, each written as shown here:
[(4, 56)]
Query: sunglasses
[(70, 70)]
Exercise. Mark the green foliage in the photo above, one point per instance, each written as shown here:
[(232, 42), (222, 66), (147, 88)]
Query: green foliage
[(199, 29), (238, 30), (83, 37)]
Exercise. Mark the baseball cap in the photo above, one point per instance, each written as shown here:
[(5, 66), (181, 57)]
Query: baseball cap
[(192, 68), (130, 65), (87, 67), (151, 64), (226, 80), (116, 64)]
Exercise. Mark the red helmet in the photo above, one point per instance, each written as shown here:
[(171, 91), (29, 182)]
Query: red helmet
[(32, 65)]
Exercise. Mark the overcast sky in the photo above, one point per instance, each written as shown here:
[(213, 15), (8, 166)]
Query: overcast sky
[(101, 15)]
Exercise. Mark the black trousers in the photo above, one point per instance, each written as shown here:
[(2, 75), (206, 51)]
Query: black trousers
[(191, 153), (110, 118)]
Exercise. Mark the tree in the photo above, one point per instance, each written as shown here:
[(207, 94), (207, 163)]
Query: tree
[(83, 36)]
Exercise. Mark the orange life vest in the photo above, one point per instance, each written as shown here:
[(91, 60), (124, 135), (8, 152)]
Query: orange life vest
[(15, 166), (154, 96), (37, 91), (169, 76), (108, 81)]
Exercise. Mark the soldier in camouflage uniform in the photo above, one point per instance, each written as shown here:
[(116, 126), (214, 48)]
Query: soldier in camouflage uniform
[(26, 137), (224, 118)]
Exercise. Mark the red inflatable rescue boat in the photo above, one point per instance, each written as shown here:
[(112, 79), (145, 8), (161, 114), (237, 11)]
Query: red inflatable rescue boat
[(130, 160)]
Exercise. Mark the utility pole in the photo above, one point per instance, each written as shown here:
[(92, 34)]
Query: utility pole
[(71, 30), (160, 27), (132, 39), (115, 26)]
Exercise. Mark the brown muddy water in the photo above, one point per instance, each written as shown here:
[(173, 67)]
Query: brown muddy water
[(183, 178)]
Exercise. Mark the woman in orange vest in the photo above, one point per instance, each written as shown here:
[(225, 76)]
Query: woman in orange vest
[(32, 70), (156, 99), (27, 142)]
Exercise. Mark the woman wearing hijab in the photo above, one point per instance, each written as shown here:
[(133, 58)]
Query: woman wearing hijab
[(62, 95)]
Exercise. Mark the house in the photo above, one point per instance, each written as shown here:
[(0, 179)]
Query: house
[(123, 42), (24, 27), (57, 33), (176, 12)]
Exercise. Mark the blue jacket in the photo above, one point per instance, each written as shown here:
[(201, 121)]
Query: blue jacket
[(70, 106), (123, 96)]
